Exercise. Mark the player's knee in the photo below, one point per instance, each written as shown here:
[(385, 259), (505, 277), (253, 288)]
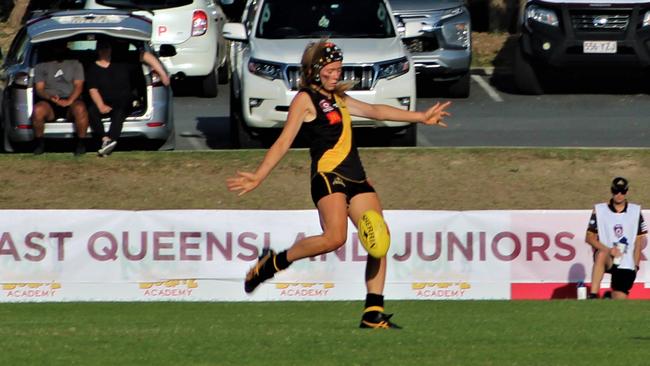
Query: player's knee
[(335, 240)]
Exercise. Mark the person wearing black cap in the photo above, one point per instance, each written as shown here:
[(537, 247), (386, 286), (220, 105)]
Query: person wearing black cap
[(339, 186), (617, 232)]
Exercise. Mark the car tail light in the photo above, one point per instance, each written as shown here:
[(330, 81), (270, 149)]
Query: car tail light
[(155, 124), (199, 23), (24, 127), (21, 80)]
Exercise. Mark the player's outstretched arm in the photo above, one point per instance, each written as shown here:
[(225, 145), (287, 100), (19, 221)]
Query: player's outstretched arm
[(433, 116), (245, 182)]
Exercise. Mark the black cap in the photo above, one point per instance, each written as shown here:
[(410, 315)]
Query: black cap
[(620, 185)]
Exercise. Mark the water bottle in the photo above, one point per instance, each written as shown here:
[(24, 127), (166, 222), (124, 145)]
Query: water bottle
[(581, 291), (622, 247)]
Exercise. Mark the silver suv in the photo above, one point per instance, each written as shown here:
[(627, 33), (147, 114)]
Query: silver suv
[(438, 35), (151, 117)]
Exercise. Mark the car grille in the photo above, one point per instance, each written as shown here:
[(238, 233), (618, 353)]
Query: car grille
[(421, 44), (364, 76), (615, 21)]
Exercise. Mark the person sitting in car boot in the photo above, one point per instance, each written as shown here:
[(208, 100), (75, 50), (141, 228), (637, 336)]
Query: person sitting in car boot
[(58, 87)]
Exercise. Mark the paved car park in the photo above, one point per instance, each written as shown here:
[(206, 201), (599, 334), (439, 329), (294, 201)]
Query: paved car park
[(493, 115)]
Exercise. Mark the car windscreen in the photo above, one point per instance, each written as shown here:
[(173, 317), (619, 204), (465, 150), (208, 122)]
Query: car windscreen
[(280, 19), (145, 4)]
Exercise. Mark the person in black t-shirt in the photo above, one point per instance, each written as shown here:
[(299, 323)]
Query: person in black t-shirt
[(110, 85)]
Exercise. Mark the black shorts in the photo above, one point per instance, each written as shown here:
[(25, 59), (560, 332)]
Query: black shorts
[(622, 279), (323, 184)]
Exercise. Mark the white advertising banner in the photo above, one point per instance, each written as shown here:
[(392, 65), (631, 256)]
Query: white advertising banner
[(203, 255)]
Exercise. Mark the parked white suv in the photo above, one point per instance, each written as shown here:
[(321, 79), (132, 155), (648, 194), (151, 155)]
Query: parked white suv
[(265, 61), (193, 27)]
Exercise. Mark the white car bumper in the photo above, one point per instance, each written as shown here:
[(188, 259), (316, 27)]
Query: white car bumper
[(266, 105), (194, 57)]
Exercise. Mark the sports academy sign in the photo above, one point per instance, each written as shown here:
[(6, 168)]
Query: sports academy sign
[(202, 255)]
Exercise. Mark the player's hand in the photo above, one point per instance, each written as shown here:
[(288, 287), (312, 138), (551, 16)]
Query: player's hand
[(243, 183), (614, 252), (436, 114)]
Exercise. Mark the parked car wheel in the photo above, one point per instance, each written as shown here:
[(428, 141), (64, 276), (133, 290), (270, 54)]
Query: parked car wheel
[(406, 137), (460, 87), (223, 73), (209, 85), (526, 79), (239, 136), (7, 145), (10, 146), (169, 144)]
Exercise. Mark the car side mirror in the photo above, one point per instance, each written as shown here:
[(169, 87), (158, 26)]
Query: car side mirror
[(167, 50), (234, 32)]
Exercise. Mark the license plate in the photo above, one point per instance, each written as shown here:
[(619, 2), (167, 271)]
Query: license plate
[(599, 47), (97, 19)]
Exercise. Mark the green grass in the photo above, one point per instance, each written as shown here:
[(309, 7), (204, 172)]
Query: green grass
[(326, 333), (438, 178)]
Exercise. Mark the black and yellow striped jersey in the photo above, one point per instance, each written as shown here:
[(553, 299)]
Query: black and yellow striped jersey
[(332, 146)]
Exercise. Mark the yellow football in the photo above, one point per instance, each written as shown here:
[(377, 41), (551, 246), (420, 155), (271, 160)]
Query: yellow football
[(373, 234)]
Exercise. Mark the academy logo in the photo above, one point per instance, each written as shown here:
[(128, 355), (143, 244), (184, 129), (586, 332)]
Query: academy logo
[(310, 290), (441, 290), (169, 288), (30, 290)]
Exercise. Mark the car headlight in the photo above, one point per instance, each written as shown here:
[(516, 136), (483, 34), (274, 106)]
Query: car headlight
[(457, 34), (451, 13), (265, 69), (542, 15), (646, 19), (393, 69)]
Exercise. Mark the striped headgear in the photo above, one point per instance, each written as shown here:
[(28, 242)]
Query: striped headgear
[(331, 53)]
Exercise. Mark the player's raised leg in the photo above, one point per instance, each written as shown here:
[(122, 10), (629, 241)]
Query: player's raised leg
[(334, 221)]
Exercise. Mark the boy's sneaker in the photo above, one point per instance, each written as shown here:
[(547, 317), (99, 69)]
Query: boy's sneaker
[(40, 146), (592, 296), (377, 320), (107, 148), (262, 271)]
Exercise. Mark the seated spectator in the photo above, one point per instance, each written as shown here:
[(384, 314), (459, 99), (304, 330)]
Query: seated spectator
[(58, 87), (110, 85)]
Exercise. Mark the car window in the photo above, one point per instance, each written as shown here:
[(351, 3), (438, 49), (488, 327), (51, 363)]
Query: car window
[(146, 4), (317, 18), (91, 45), (16, 52)]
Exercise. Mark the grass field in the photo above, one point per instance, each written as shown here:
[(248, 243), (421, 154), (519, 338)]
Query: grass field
[(408, 178), (316, 333), (325, 333)]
